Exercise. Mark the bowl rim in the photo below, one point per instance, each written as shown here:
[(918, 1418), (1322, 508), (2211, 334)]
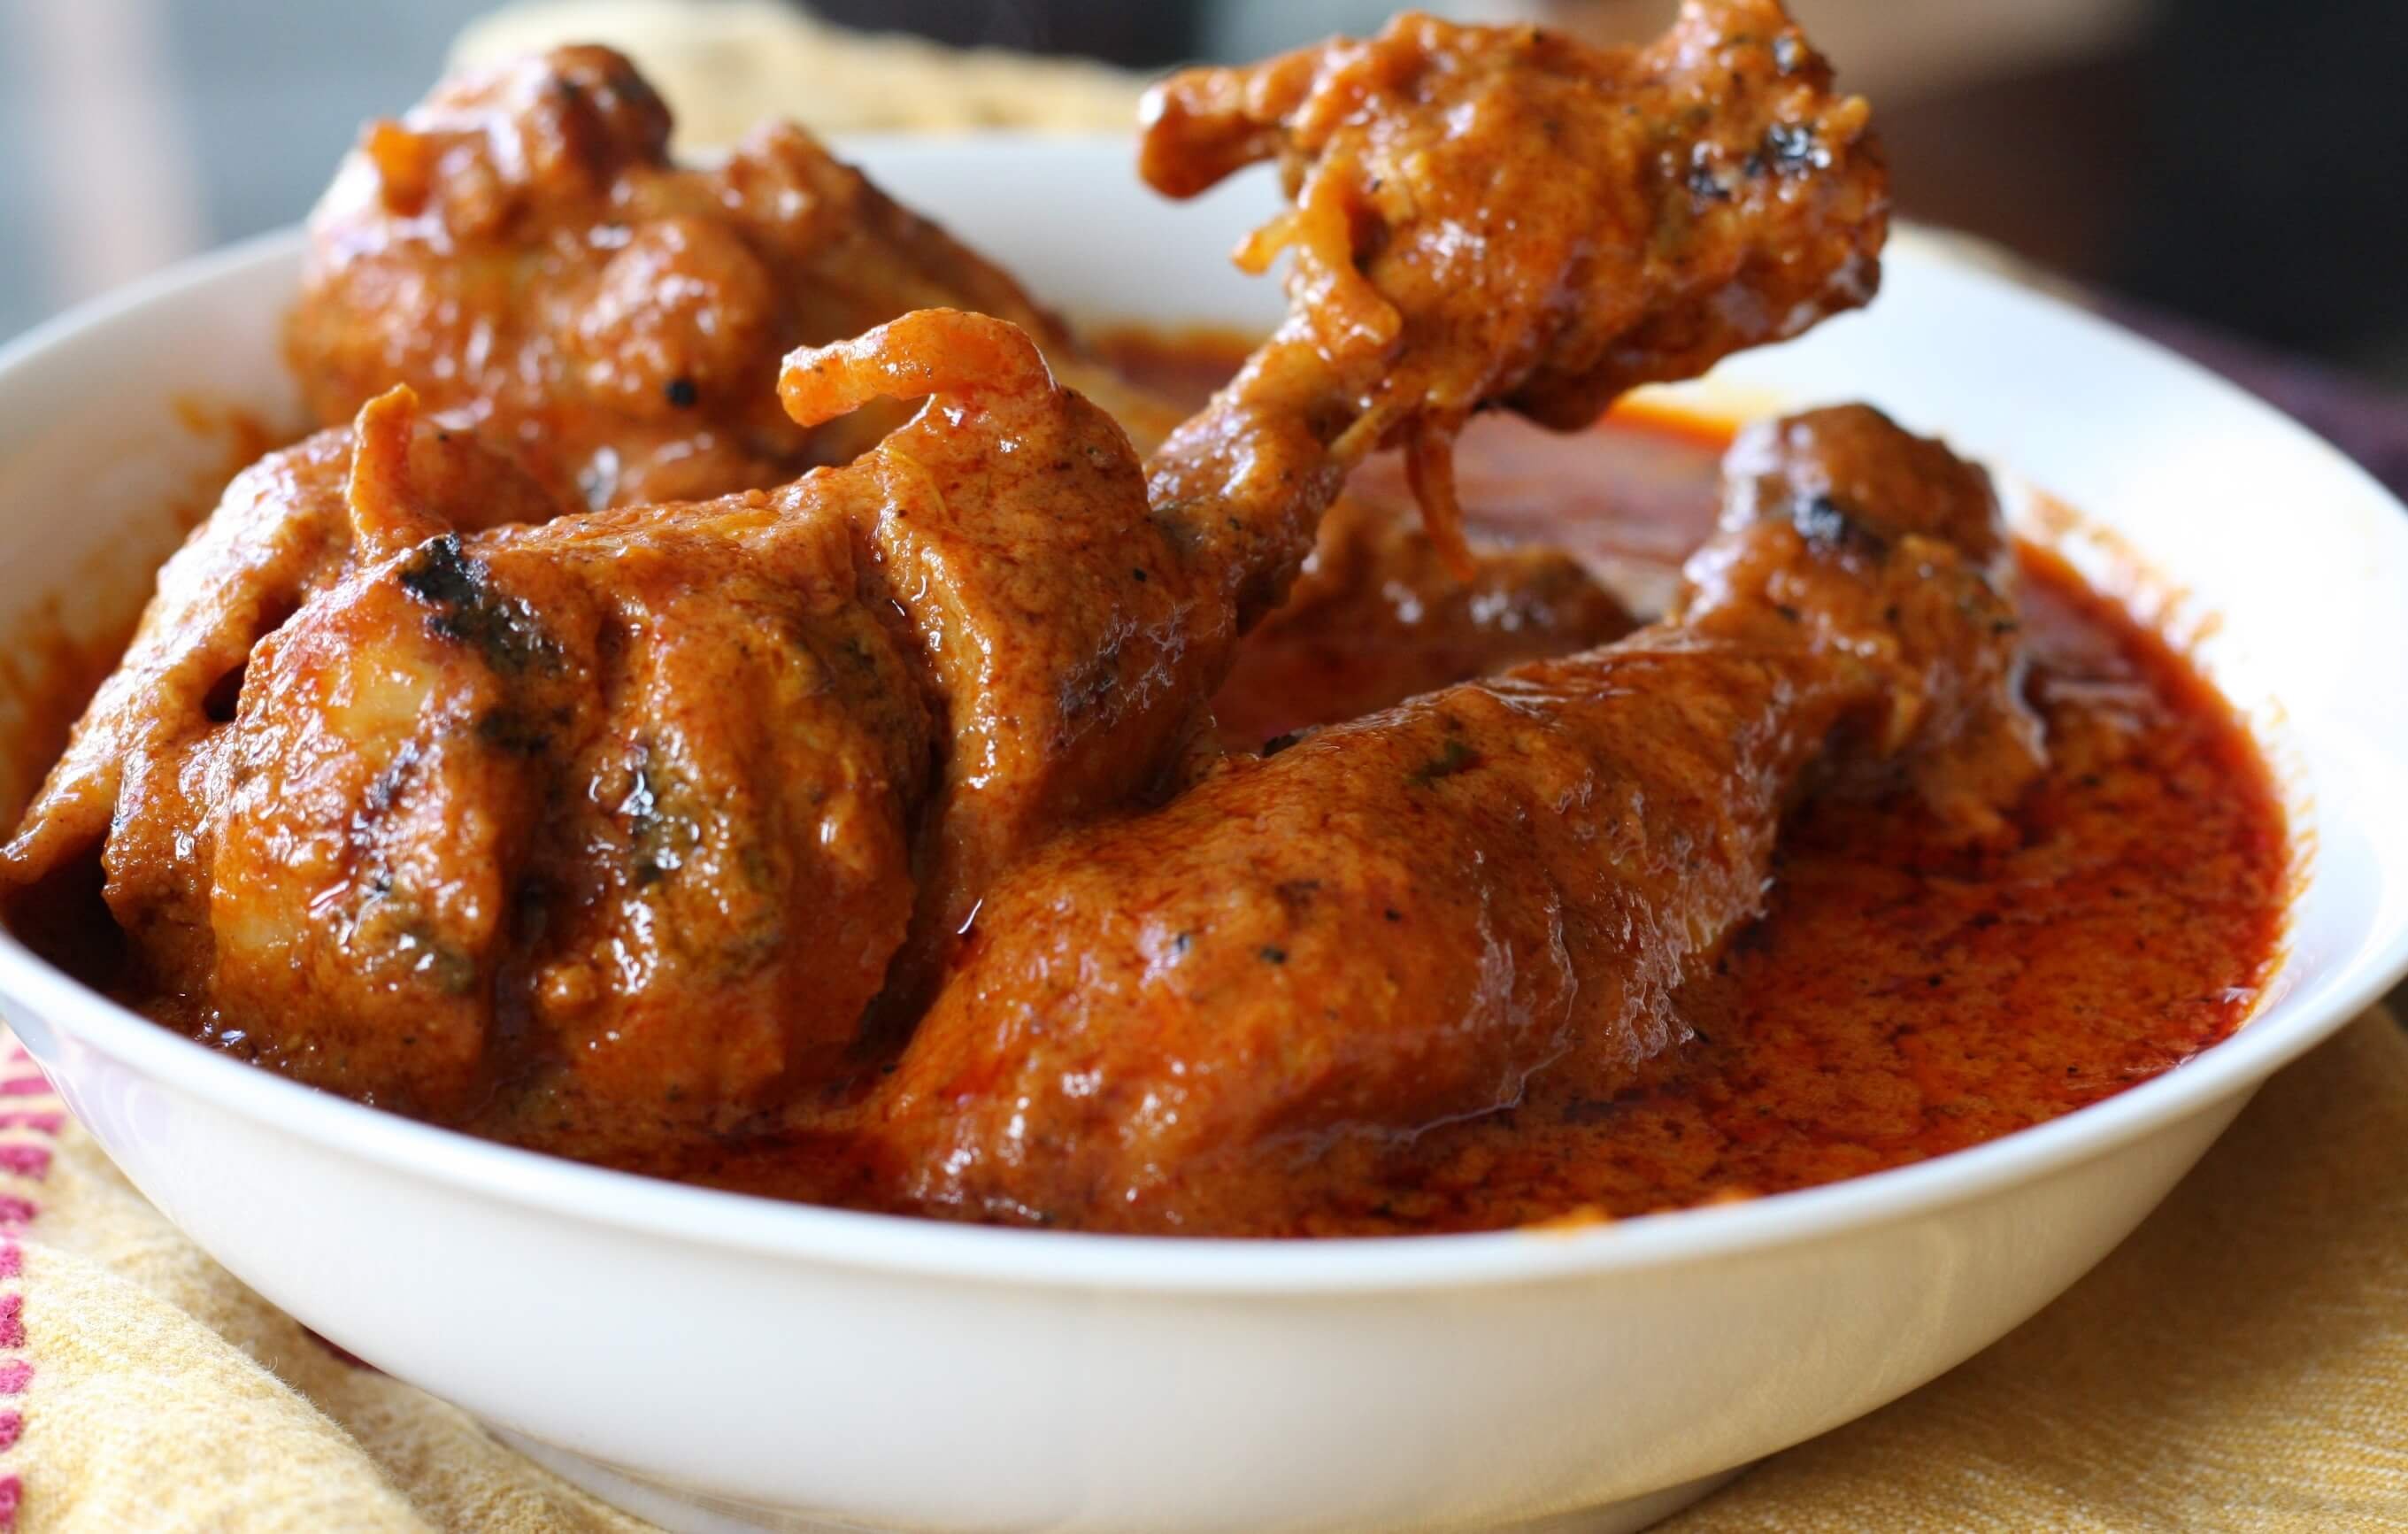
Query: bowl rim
[(774, 1229)]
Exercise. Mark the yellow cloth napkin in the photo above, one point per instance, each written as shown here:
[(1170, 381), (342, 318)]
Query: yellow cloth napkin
[(2242, 1363), (723, 66)]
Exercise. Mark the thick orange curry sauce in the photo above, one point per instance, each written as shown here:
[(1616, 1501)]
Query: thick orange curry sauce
[(1901, 998)]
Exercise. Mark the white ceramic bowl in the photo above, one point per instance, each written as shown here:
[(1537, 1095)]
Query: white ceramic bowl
[(722, 1362)]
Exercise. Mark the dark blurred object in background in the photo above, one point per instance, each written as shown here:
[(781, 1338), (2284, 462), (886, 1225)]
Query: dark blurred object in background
[(2236, 161), (1140, 33), (2267, 192)]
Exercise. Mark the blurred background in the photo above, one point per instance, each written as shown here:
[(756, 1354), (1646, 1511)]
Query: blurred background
[(2226, 173)]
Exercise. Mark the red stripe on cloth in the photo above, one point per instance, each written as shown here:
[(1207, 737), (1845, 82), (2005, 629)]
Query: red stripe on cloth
[(29, 1161)]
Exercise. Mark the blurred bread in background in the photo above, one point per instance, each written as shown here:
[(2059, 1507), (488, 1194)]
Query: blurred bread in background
[(725, 64)]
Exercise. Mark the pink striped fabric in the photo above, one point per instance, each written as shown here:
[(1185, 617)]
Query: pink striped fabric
[(33, 1109)]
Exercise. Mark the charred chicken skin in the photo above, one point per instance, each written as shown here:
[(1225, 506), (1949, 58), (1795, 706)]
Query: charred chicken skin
[(635, 815), (1397, 922)]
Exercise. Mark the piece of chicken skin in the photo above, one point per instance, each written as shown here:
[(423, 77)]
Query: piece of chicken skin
[(1376, 616), (619, 815), (629, 790), (280, 537), (1397, 922), (1508, 215), (520, 250)]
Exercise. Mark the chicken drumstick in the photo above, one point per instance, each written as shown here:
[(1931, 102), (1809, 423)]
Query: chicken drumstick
[(1397, 922)]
